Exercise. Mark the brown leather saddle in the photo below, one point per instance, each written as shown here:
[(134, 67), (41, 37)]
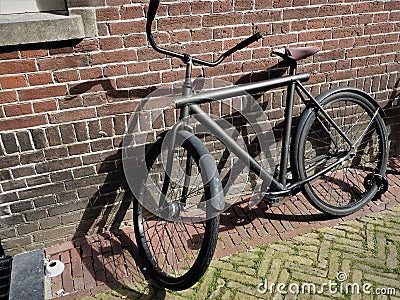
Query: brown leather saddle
[(296, 54)]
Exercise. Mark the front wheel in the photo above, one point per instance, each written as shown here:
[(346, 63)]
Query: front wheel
[(177, 246), (350, 184)]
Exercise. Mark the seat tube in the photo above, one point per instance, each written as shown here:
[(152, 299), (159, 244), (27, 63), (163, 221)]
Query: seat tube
[(288, 127), (187, 90)]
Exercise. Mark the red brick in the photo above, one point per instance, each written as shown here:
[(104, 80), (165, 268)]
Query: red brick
[(280, 39), (70, 102), (91, 73), (61, 50), (243, 5), (111, 43), (66, 76), (202, 34), (34, 53), (378, 28), (269, 16), (88, 273), (69, 116), (115, 70), (59, 249), (18, 109), (9, 55), (222, 6), (76, 263), (300, 13), (43, 92), (371, 71), (184, 22), (216, 20), (199, 7), (63, 62), (87, 45), (134, 40), (116, 108), (79, 285), (40, 79), (67, 278), (92, 86), (94, 99), (313, 35), (144, 54), (15, 67), (243, 31), (23, 122), (107, 14), (138, 80), (114, 56), (12, 82), (367, 7), (335, 10), (127, 27), (131, 12)]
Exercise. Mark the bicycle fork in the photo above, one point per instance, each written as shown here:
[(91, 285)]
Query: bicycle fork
[(171, 210)]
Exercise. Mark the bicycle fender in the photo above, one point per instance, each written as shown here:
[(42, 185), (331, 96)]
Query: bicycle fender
[(209, 167), (321, 97), (351, 90), (209, 171)]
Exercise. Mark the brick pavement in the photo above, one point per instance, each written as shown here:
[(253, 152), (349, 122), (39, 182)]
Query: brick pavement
[(291, 243)]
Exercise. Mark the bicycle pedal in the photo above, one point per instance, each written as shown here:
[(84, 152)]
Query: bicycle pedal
[(381, 182), (277, 201)]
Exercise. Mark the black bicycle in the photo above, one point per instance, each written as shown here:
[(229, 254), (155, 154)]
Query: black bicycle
[(338, 157)]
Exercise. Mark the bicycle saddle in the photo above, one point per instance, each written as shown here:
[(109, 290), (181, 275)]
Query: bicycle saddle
[(296, 53)]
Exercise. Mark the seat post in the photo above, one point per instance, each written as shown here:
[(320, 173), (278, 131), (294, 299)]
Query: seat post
[(288, 125), (293, 67), (187, 84)]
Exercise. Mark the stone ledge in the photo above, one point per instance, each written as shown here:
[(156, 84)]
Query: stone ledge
[(27, 276), (28, 28)]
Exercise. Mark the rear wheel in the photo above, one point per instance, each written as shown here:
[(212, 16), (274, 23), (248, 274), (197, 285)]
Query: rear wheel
[(177, 246), (359, 173)]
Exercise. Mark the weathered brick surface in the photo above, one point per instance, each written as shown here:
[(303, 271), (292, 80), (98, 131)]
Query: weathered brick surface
[(64, 107)]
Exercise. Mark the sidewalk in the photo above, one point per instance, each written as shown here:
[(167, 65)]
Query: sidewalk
[(291, 245)]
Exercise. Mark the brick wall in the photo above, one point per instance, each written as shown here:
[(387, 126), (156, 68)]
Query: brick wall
[(64, 106)]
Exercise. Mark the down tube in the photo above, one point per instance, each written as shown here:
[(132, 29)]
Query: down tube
[(243, 155)]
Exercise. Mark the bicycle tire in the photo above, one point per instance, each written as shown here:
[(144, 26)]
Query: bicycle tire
[(343, 190), (182, 245)]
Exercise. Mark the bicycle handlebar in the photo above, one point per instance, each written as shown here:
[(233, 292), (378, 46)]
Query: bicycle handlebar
[(151, 13)]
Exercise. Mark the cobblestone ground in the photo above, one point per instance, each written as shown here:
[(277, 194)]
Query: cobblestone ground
[(289, 247), (357, 259)]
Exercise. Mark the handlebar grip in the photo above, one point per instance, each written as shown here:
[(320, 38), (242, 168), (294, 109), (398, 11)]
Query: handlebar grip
[(151, 13), (245, 43)]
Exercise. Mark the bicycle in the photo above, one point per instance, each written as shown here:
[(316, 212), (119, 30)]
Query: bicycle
[(338, 156)]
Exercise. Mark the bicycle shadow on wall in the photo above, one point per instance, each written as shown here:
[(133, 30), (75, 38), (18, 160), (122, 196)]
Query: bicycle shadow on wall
[(392, 110), (113, 256)]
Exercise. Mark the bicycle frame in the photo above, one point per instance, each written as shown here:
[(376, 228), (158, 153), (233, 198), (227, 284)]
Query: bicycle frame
[(189, 103)]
